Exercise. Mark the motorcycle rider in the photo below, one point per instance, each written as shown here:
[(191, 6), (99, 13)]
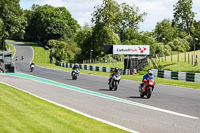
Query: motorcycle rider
[(32, 64), (116, 71), (76, 66), (148, 75)]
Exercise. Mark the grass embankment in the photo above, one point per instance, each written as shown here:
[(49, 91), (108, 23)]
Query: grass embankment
[(41, 57), (11, 47), (183, 65), (24, 113)]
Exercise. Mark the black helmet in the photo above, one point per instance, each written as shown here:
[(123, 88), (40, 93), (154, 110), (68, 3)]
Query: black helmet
[(116, 69)]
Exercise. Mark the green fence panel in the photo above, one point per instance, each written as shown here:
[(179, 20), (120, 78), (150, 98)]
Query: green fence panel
[(161, 73), (80, 66), (97, 68), (104, 69), (91, 68), (85, 67), (190, 76), (174, 75)]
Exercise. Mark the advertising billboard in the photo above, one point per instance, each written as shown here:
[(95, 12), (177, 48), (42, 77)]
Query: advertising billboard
[(131, 49)]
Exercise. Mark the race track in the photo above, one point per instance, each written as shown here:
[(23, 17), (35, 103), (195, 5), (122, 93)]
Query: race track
[(170, 109)]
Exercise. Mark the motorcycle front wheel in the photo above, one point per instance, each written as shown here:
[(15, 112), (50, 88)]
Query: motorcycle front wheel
[(149, 93), (116, 85)]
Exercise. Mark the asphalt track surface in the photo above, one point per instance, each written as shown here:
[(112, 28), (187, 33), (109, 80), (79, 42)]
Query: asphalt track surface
[(169, 110)]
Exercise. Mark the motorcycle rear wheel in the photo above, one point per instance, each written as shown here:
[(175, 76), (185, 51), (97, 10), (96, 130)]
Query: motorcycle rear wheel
[(141, 94), (75, 77)]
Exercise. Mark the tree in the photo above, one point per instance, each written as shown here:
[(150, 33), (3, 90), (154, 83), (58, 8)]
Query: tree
[(83, 39), (55, 30), (1, 28), (112, 22), (47, 22), (103, 35), (64, 51), (180, 45), (13, 21), (164, 32), (130, 19), (108, 14), (118, 17), (183, 15), (196, 34)]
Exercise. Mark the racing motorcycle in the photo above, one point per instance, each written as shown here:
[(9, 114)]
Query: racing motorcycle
[(149, 86), (32, 67), (75, 74), (114, 82)]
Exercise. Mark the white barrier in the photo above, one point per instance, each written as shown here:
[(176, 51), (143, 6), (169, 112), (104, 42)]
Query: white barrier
[(182, 76), (197, 77), (155, 72), (167, 74)]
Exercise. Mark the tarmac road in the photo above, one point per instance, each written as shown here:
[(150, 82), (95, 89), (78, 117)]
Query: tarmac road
[(172, 109)]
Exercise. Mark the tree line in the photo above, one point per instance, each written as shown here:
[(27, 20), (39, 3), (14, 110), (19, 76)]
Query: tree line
[(112, 23)]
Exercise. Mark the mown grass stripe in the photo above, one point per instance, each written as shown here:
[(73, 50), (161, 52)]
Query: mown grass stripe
[(21, 112)]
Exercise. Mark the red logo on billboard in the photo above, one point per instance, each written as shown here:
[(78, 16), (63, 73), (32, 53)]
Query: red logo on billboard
[(133, 50), (142, 49)]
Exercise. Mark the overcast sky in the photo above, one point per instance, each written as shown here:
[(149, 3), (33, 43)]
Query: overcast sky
[(81, 10)]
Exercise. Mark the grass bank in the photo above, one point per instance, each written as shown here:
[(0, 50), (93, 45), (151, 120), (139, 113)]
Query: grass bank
[(183, 62), (11, 47), (24, 113)]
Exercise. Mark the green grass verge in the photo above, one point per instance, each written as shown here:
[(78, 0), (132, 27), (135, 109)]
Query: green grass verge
[(24, 113), (41, 56), (11, 47)]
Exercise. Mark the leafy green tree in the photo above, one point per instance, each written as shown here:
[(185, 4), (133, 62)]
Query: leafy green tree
[(64, 51), (47, 22), (183, 15), (167, 50), (196, 34), (83, 39), (108, 14), (130, 19), (13, 21), (118, 17), (103, 35), (180, 45), (112, 22), (164, 32), (55, 30), (1, 28)]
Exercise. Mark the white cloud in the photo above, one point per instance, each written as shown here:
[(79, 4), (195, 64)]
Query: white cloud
[(157, 10)]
